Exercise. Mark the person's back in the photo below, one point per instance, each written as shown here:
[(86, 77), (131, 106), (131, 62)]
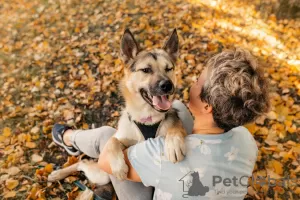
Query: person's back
[(215, 167)]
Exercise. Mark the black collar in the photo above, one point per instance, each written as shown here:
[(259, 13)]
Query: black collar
[(148, 131)]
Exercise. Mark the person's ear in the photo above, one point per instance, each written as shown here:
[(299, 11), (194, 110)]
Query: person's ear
[(129, 47), (207, 108)]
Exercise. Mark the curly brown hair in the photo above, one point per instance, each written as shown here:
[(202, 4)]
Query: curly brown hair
[(235, 88)]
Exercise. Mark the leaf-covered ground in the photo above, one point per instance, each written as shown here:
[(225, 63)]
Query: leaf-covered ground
[(59, 63)]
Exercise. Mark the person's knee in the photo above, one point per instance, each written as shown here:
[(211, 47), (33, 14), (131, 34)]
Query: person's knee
[(105, 133), (108, 132)]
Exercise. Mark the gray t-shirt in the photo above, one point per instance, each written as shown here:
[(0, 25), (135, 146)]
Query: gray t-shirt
[(215, 167)]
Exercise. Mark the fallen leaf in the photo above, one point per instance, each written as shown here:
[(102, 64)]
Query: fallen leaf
[(278, 168), (272, 115), (49, 168), (36, 158), (13, 171), (85, 126), (35, 130), (11, 184), (30, 145), (6, 132), (2, 138), (10, 194)]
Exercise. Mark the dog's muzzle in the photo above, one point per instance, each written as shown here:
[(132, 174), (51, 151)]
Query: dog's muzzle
[(159, 102)]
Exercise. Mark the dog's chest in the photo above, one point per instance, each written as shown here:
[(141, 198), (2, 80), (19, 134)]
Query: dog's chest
[(131, 132), (148, 131)]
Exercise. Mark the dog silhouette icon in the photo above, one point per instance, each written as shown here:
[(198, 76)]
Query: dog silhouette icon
[(197, 188)]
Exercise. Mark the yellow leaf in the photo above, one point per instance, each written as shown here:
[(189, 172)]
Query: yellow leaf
[(185, 28), (277, 167), (118, 62), (288, 123), (28, 138), (196, 26), (30, 145), (252, 128), (60, 85), (11, 184), (33, 192), (272, 115), (297, 149), (186, 94), (85, 126), (2, 138), (37, 84), (6, 132), (148, 43), (9, 194)]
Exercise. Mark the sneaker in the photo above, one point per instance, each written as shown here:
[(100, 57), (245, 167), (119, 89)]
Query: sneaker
[(58, 131)]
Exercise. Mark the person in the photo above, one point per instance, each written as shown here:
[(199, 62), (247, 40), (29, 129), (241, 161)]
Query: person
[(230, 92)]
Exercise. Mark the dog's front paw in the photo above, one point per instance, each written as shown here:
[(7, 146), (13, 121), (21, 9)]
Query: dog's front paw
[(57, 175), (119, 169), (175, 147)]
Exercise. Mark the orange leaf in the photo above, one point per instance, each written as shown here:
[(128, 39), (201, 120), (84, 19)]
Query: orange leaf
[(49, 168), (251, 127), (71, 161), (60, 85), (85, 126)]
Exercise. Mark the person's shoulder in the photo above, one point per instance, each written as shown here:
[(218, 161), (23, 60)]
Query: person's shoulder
[(155, 142), (244, 138)]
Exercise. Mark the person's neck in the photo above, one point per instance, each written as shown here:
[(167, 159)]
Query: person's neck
[(205, 125)]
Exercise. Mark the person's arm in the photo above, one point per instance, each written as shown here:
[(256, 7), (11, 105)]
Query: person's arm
[(142, 159), (103, 163)]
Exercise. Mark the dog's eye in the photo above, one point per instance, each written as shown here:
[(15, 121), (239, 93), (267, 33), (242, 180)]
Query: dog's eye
[(169, 69), (147, 70)]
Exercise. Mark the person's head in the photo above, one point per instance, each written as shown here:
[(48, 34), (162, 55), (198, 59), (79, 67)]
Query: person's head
[(231, 90)]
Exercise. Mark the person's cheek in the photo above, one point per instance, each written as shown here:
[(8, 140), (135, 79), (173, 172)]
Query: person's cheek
[(192, 96)]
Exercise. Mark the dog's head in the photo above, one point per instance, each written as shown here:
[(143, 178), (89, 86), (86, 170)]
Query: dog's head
[(150, 74), (195, 175)]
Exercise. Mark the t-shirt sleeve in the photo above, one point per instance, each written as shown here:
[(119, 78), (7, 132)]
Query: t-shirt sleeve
[(145, 158), (184, 115)]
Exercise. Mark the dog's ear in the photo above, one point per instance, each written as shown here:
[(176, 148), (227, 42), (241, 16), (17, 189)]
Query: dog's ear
[(172, 45), (129, 47)]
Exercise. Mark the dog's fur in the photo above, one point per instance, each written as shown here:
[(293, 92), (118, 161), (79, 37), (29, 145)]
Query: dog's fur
[(144, 73)]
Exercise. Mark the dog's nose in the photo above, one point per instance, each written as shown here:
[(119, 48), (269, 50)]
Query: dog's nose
[(166, 85)]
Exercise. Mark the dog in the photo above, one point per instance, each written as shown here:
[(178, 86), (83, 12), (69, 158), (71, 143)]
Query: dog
[(148, 88)]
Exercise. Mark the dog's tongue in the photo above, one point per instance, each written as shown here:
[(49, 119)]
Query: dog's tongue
[(161, 102)]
